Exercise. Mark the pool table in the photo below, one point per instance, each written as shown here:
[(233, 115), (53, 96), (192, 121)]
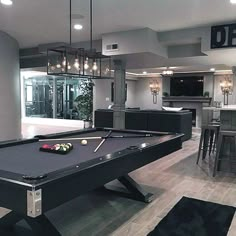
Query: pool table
[(33, 182)]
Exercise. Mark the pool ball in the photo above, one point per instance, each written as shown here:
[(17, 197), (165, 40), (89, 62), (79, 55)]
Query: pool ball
[(46, 146), (62, 148), (84, 142)]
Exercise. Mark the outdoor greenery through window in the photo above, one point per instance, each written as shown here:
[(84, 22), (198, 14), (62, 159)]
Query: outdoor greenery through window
[(73, 97)]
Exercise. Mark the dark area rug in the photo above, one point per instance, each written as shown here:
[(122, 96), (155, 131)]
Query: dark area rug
[(192, 217)]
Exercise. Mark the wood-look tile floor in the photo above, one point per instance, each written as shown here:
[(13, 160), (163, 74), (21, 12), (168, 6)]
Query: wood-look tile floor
[(170, 178)]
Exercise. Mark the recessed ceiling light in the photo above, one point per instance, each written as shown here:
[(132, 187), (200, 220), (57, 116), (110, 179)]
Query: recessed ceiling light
[(212, 69), (78, 27), (144, 72), (7, 2), (233, 1)]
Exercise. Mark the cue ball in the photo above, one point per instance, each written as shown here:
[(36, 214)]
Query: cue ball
[(84, 142)]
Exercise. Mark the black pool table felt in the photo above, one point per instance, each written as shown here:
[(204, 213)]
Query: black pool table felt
[(26, 159)]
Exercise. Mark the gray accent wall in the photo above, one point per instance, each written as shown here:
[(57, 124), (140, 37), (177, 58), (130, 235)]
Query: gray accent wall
[(138, 94), (209, 84), (102, 94), (166, 85), (10, 105), (144, 98)]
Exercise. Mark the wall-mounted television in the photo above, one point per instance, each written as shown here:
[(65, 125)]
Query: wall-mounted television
[(186, 86)]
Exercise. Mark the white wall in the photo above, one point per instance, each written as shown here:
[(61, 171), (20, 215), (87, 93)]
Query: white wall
[(10, 106), (102, 94)]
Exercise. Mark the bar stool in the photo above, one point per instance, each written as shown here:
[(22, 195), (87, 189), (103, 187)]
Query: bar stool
[(220, 148), (208, 140)]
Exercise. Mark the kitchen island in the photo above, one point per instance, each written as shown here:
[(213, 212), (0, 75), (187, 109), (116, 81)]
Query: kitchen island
[(226, 115)]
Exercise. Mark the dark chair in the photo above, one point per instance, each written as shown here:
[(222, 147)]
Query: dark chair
[(221, 147), (208, 140)]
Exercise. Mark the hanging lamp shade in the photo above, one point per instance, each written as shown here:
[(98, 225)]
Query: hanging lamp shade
[(78, 62), (68, 61)]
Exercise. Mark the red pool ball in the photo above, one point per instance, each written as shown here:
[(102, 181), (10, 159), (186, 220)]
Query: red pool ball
[(46, 146)]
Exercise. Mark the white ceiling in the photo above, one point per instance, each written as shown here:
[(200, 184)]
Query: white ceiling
[(34, 22), (178, 69)]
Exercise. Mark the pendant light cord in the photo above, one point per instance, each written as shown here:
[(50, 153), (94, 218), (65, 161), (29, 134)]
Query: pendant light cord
[(70, 21), (91, 25)]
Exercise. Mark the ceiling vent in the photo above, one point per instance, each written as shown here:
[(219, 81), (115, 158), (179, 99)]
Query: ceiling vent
[(112, 47)]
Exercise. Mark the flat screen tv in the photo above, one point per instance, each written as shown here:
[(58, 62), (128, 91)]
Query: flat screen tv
[(186, 86)]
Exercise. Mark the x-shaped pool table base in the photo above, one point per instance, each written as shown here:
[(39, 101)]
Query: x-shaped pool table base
[(41, 224)]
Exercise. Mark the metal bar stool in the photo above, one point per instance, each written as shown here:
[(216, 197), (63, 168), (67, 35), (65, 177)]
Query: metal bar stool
[(208, 140), (220, 148)]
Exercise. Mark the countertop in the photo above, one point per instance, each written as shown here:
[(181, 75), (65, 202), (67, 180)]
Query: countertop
[(224, 108)]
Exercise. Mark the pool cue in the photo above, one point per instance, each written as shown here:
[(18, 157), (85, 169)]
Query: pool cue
[(101, 137), (68, 139), (103, 140), (131, 136)]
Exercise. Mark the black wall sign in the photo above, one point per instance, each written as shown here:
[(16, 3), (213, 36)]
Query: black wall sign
[(223, 36)]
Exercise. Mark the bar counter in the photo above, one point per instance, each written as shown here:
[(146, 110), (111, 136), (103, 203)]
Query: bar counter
[(227, 118)]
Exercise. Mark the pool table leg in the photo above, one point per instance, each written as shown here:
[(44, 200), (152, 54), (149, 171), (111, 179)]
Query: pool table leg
[(136, 191), (8, 221), (42, 226)]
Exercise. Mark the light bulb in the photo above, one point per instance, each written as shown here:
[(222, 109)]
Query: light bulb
[(76, 64), (86, 65), (68, 66), (64, 61), (95, 67), (78, 27), (53, 68), (58, 66), (7, 2)]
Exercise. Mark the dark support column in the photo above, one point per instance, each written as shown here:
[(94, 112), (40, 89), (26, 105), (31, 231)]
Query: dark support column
[(119, 95)]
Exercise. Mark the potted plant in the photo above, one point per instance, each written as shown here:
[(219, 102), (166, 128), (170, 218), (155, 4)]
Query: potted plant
[(84, 101), (165, 94)]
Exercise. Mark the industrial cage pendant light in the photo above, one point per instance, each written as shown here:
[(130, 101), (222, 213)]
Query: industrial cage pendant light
[(78, 62)]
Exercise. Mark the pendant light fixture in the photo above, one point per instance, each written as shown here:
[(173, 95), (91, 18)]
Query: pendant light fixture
[(167, 72), (78, 62)]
